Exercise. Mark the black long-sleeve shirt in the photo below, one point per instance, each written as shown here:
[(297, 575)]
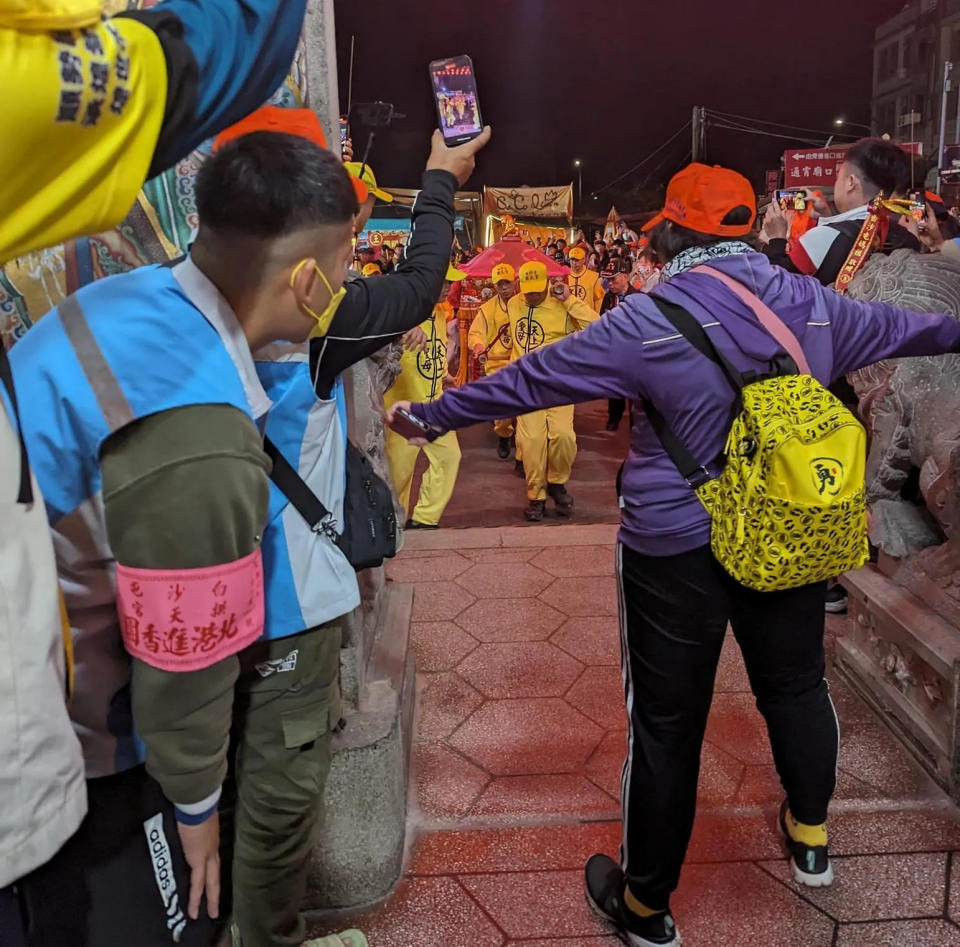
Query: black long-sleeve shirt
[(378, 310)]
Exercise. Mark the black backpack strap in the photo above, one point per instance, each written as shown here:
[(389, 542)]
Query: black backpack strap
[(25, 492), (695, 473), (295, 489), (697, 336)]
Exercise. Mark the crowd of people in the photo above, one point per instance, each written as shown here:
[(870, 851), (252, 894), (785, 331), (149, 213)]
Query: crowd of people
[(177, 616)]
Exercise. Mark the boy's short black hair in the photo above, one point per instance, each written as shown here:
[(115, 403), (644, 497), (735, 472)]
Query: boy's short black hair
[(882, 166), (270, 184)]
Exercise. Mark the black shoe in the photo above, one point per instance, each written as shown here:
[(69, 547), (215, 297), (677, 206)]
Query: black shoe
[(534, 512), (613, 425), (518, 468), (836, 603), (503, 448), (605, 884), (564, 502), (413, 524), (810, 863)]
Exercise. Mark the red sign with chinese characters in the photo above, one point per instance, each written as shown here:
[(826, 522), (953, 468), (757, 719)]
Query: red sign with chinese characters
[(812, 167)]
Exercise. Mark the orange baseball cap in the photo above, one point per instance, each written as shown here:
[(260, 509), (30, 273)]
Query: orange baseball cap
[(700, 196), (272, 118)]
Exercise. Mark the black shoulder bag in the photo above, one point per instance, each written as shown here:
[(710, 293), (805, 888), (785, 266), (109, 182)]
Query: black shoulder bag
[(369, 521)]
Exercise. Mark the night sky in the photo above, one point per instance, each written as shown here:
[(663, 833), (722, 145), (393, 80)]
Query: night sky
[(609, 82)]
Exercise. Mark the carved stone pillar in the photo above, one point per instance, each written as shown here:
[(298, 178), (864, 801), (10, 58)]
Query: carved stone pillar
[(903, 653), (360, 853)]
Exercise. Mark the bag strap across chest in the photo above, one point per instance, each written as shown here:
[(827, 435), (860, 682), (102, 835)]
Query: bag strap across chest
[(695, 473)]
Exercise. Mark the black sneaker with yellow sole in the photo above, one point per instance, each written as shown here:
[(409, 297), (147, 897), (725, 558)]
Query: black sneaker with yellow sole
[(605, 884)]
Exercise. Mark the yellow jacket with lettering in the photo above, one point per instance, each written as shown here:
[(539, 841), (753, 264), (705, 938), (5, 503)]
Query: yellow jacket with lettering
[(490, 330), (422, 373), (73, 101), (587, 288), (549, 322)]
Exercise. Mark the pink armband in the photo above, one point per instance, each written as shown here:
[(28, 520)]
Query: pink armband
[(188, 619)]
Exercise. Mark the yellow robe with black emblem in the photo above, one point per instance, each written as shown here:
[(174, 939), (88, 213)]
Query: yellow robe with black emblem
[(545, 439), (421, 379), (587, 288)]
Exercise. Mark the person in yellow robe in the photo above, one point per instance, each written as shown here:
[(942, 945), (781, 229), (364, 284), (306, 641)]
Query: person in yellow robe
[(423, 369), (584, 284), (546, 440), (489, 340)]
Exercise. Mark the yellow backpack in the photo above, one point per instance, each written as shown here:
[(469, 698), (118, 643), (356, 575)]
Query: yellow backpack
[(788, 508)]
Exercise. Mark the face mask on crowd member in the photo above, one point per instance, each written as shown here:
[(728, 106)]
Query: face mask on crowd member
[(870, 166), (298, 252)]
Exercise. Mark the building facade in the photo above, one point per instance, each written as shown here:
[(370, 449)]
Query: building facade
[(909, 53)]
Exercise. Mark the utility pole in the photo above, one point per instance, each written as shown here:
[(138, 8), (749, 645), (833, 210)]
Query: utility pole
[(697, 135), (947, 69)]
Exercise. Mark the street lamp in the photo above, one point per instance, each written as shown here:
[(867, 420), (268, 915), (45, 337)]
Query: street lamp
[(577, 164), (840, 122)]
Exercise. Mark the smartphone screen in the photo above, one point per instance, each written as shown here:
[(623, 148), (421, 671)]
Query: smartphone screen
[(455, 93), (792, 200)]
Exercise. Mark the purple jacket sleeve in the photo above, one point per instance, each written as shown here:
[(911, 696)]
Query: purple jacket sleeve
[(579, 368), (868, 332)]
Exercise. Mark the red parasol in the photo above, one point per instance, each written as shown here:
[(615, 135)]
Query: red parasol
[(513, 250)]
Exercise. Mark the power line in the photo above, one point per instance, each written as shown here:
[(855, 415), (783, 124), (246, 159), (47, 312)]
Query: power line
[(766, 134), (782, 125), (640, 164)]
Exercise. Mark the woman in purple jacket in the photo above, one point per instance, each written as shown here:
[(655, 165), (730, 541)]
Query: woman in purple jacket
[(675, 599)]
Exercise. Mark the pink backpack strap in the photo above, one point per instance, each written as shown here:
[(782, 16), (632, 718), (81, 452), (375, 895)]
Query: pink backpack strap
[(768, 318)]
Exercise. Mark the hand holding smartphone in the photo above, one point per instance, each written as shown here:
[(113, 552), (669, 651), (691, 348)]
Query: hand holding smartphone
[(455, 95), (408, 425)]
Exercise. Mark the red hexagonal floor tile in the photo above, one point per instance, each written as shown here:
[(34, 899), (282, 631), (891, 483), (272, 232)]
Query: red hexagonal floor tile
[(735, 726), (535, 848), (437, 569), (514, 619), (605, 766), (424, 911), (720, 776), (590, 640), (561, 794), (494, 580), (588, 597), (731, 905), (576, 561), (446, 784), (446, 700), (520, 669), (439, 645), (599, 694), (439, 601), (520, 737), (537, 904)]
